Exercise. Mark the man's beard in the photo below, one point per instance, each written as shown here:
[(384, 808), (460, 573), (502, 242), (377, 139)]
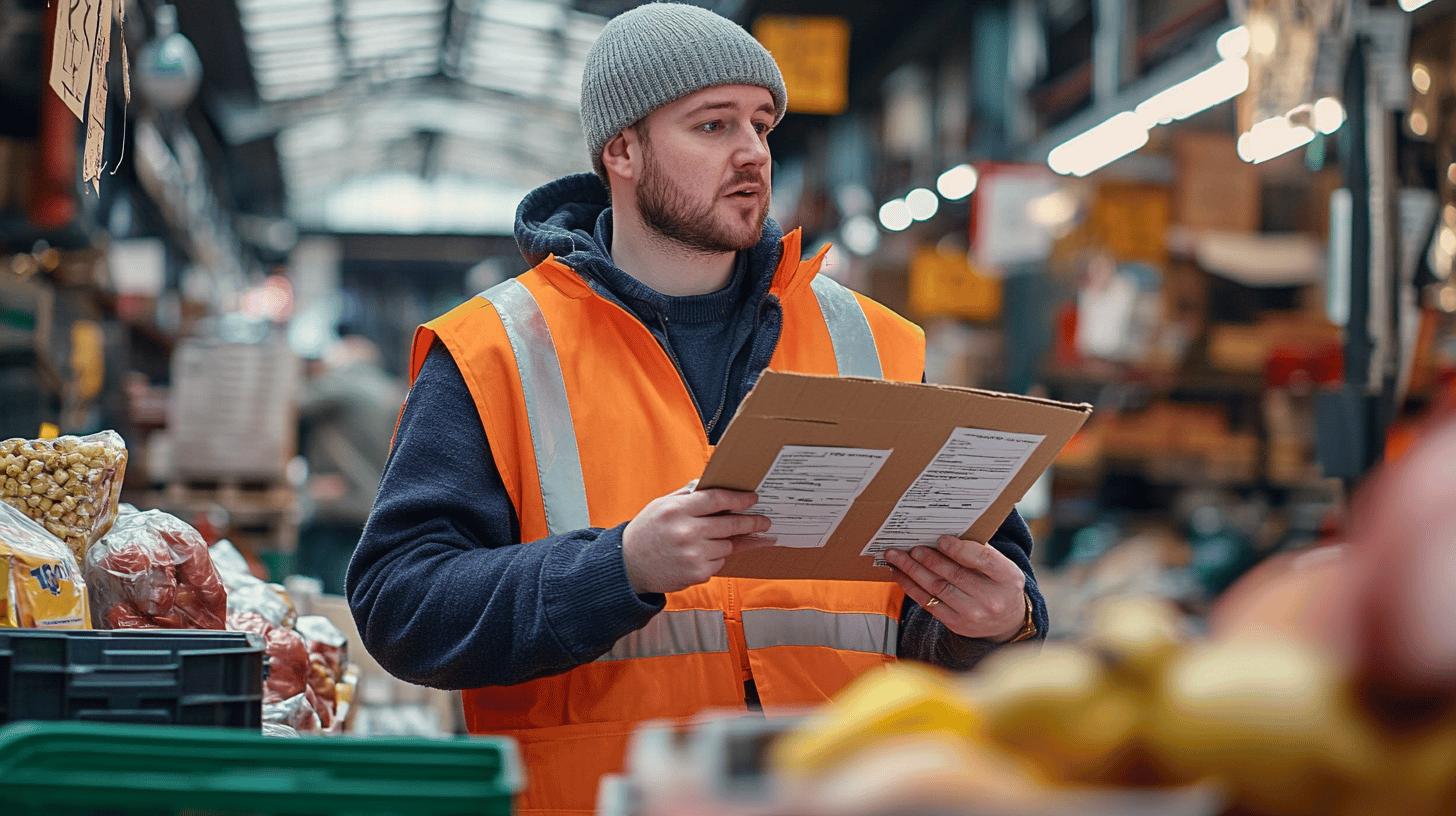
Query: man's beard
[(670, 212)]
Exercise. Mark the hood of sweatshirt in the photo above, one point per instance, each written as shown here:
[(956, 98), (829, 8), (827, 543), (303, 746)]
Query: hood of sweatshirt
[(571, 218)]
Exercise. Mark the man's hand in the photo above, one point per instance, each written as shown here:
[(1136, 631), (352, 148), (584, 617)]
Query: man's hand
[(681, 539), (982, 593)]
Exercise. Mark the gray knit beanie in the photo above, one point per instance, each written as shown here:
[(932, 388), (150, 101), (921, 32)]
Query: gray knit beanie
[(659, 53)]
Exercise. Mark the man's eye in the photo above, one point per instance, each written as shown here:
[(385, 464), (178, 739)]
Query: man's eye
[(762, 128), (710, 127)]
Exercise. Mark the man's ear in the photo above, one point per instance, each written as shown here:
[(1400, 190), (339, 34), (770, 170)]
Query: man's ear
[(622, 154)]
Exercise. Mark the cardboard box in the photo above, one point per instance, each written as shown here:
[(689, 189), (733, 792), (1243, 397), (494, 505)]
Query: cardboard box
[(912, 420), (1216, 190)]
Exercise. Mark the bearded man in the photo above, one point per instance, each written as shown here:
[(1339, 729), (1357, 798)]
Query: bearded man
[(537, 541)]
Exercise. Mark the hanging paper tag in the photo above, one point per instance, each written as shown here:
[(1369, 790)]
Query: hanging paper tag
[(125, 61), (71, 52), (95, 152)]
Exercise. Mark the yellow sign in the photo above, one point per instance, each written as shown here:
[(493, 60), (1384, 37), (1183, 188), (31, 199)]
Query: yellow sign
[(813, 54), (88, 359), (1131, 220), (944, 284)]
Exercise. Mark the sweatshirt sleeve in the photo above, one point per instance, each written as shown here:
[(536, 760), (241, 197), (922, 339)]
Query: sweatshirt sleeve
[(926, 639), (444, 594)]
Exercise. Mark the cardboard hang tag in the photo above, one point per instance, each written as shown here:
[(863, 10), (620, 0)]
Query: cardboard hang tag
[(93, 157), (72, 52), (125, 81)]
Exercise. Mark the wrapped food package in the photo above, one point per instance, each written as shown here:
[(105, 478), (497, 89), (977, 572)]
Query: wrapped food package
[(41, 586), (294, 712), (231, 566), (325, 641), (278, 730), (69, 485), (284, 651), (152, 571), (324, 708), (268, 601)]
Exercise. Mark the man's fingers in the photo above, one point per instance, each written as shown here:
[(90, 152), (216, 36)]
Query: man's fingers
[(954, 574), (734, 524), (918, 594), (716, 500), (982, 558), (929, 581)]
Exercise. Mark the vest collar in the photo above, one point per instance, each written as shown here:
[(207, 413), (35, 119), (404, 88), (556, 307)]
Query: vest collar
[(793, 272)]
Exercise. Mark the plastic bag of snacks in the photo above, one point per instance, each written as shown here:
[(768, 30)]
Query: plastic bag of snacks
[(41, 586), (294, 712), (69, 485), (152, 571), (284, 652)]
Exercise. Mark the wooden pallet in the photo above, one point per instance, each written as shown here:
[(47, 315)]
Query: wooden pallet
[(261, 515), (259, 496)]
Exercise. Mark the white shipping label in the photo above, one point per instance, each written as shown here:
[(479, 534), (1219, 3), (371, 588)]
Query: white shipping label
[(965, 477), (808, 490)]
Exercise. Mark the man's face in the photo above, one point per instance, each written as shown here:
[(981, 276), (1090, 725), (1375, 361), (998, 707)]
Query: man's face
[(706, 175)]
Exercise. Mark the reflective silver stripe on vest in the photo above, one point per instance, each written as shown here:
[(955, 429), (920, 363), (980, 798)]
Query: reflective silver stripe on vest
[(677, 632), (849, 330), (553, 436), (849, 631)]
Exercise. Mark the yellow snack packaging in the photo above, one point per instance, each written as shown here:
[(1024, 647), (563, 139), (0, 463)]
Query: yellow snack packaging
[(40, 584)]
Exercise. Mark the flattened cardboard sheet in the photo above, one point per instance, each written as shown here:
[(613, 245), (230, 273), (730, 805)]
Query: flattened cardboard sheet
[(912, 420)]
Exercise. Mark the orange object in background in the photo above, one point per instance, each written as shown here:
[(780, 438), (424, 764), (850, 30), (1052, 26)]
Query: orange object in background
[(947, 284)]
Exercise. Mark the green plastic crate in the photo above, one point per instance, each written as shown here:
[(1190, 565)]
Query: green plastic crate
[(73, 767)]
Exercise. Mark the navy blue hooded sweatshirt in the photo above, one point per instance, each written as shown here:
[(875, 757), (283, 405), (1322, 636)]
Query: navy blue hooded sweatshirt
[(443, 593)]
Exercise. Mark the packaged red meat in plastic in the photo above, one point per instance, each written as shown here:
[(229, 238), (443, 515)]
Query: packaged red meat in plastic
[(284, 652), (325, 640), (152, 571), (41, 586), (295, 712), (69, 485)]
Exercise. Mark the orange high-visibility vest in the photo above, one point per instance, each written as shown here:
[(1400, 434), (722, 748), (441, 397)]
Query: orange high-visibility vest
[(588, 421)]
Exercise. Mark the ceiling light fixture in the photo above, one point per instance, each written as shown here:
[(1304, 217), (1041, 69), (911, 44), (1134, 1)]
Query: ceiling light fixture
[(1271, 138), (895, 215), (958, 182), (1100, 146), (1234, 43), (1198, 93), (1329, 114), (923, 204)]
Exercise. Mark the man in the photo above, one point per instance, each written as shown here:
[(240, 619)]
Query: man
[(348, 410), (533, 542)]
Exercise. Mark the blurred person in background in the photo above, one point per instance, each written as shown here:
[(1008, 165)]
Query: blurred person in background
[(534, 542), (347, 412)]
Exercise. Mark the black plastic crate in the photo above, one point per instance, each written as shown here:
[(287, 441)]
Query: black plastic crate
[(179, 677)]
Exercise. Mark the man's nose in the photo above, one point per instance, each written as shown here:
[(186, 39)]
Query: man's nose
[(752, 150)]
